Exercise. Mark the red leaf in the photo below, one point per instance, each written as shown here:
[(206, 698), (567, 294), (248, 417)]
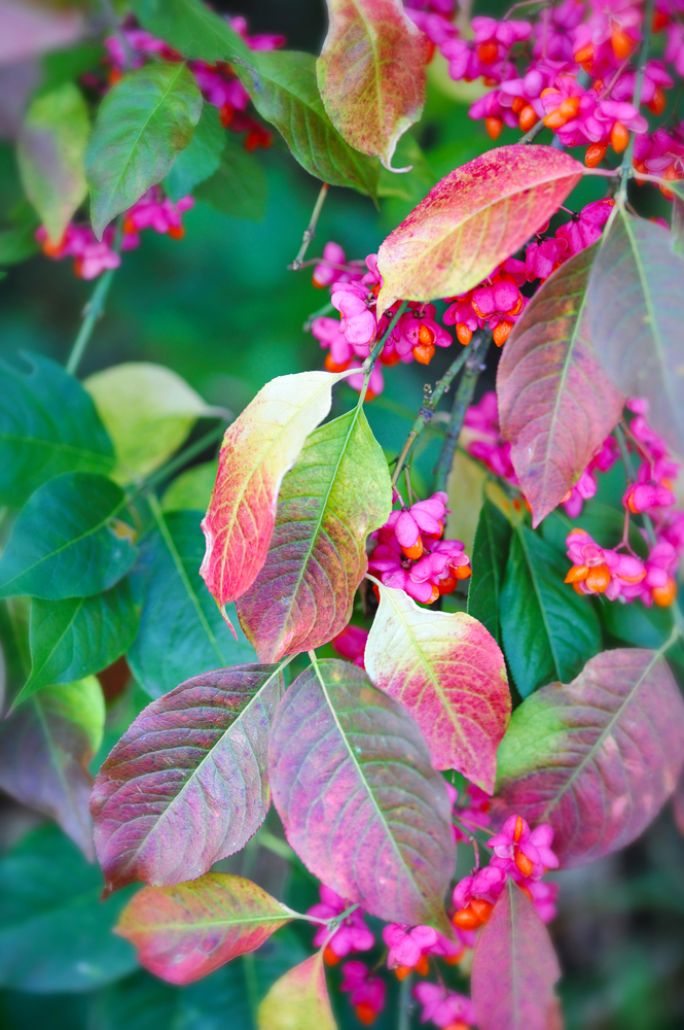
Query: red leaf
[(371, 73), (258, 449), (473, 219), (450, 674), (185, 932), (186, 784), (596, 758), (556, 405), (359, 800), (515, 968)]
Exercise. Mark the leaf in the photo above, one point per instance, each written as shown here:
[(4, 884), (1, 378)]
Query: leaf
[(490, 554), (73, 638), (148, 411), (186, 784), (141, 125), (282, 85), (45, 748), (55, 932), (596, 758), (515, 968), (548, 630), (183, 933), (181, 629), (238, 188), (371, 74), (50, 153), (193, 29), (201, 158), (466, 490), (556, 405), (29, 30), (191, 490), (361, 805), (258, 449), (448, 671), (67, 541), (337, 493), (473, 219), (299, 1000), (48, 425), (635, 310)]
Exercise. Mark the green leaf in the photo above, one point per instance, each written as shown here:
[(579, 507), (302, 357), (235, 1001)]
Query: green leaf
[(67, 540), (73, 638), (238, 187), (142, 124), (201, 158), (50, 152), (55, 932), (490, 553), (181, 629), (548, 630), (283, 88), (45, 748), (18, 237), (48, 425), (148, 411), (299, 999), (191, 490), (193, 29)]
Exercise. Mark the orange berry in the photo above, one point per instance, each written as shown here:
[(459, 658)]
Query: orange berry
[(390, 359), (519, 827), (52, 249), (569, 107), (527, 118), (334, 366), (465, 919), (415, 551), (463, 334), (517, 306), (458, 1025), (622, 44), (595, 154), (426, 335), (664, 596), (487, 52), (501, 333), (463, 572), (517, 105), (660, 20), (176, 232), (329, 957), (226, 115), (598, 579), (659, 101), (365, 1013), (482, 909), (422, 966), (424, 353), (114, 76), (447, 585), (370, 396), (434, 595), (577, 574), (523, 863), (619, 137), (494, 127), (554, 119), (585, 54), (401, 972)]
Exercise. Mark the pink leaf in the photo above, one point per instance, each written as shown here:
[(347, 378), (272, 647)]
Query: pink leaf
[(449, 672), (336, 494), (360, 802), (515, 968), (185, 932), (186, 784), (371, 73), (473, 219), (596, 758), (29, 29), (556, 405), (298, 1000), (258, 449)]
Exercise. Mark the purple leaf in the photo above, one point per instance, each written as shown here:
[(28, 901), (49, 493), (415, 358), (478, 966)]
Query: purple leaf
[(186, 785), (596, 758), (360, 802), (515, 968)]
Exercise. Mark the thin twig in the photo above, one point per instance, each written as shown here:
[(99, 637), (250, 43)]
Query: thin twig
[(310, 230), (93, 311), (464, 395)]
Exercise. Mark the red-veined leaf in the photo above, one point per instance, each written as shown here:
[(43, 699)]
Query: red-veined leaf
[(258, 449), (635, 310), (186, 784), (556, 404), (371, 73), (185, 932), (596, 758), (473, 219), (449, 672), (361, 805), (515, 968), (337, 493), (298, 1000)]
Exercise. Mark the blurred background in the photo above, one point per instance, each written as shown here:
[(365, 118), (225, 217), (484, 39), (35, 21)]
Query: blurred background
[(220, 308)]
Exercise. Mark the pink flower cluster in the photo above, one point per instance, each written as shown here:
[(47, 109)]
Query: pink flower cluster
[(520, 854), (410, 554), (618, 572), (572, 65), (218, 83), (92, 256)]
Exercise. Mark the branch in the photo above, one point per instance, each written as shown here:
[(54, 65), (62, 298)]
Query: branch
[(464, 395)]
